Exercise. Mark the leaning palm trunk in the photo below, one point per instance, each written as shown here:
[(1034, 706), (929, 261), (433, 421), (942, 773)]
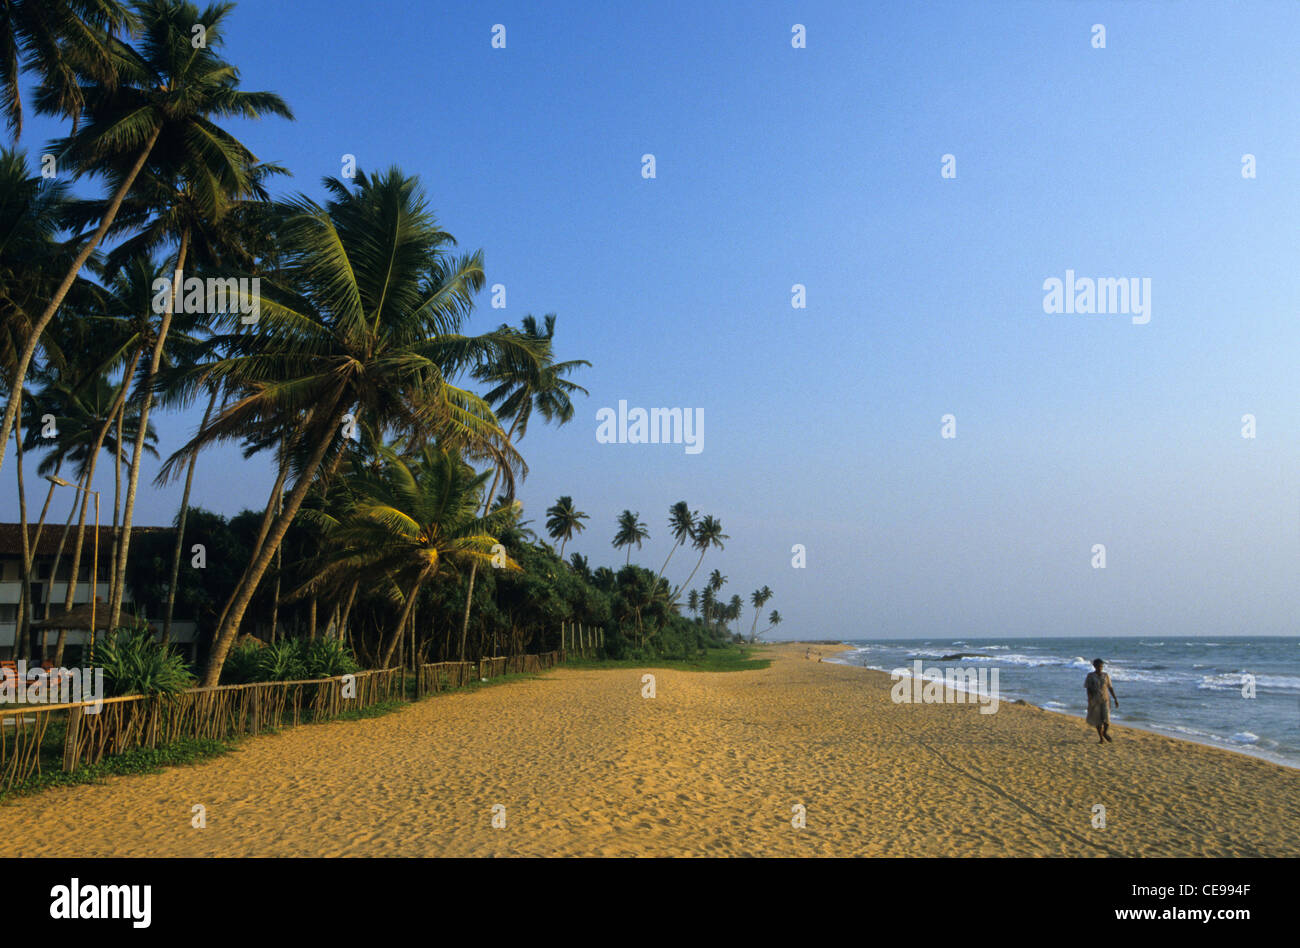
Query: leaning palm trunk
[(274, 506), (244, 593), (180, 528), (142, 427), (406, 614), (347, 609), (29, 350)]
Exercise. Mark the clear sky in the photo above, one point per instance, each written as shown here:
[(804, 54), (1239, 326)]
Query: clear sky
[(821, 166)]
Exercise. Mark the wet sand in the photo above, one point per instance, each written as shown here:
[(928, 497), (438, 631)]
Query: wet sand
[(713, 765)]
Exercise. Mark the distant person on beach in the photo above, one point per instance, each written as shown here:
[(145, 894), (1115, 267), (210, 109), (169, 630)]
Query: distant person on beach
[(1100, 691)]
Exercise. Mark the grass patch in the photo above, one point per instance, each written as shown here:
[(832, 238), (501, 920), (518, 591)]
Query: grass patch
[(713, 660), (145, 760)]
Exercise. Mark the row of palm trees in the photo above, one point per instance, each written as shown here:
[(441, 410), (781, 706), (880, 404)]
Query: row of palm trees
[(351, 381), (564, 521)]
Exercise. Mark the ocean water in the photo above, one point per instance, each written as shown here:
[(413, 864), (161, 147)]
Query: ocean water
[(1186, 688)]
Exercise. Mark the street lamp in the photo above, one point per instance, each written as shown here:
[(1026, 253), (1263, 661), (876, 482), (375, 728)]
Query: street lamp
[(94, 564)]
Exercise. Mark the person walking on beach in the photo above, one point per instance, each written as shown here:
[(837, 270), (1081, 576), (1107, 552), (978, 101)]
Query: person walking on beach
[(1100, 691)]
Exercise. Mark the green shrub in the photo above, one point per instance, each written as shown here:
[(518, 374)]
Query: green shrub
[(134, 663)]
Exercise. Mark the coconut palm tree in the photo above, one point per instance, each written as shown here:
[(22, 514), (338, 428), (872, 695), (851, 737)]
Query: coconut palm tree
[(758, 598), (163, 96), (681, 522), (410, 519), (519, 389), (693, 601), (563, 521), (773, 621), (708, 532), (717, 580), (630, 530), (363, 322), (61, 42)]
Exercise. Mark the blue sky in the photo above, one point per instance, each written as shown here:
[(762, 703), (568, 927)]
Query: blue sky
[(821, 166)]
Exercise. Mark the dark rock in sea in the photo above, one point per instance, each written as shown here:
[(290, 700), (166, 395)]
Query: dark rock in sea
[(956, 655)]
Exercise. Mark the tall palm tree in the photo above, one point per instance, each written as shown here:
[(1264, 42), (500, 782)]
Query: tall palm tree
[(733, 610), (717, 580), (708, 532), (758, 598), (162, 96), (563, 521), (630, 530), (693, 601), (519, 389), (364, 320), (773, 621), (681, 522)]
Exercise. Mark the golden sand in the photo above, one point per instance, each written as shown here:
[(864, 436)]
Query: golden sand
[(713, 765)]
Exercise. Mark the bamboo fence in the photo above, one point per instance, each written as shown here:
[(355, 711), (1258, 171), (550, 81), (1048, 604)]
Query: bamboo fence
[(135, 721)]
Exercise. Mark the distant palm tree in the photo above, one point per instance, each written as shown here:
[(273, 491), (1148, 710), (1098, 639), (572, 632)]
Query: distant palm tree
[(693, 601), (758, 598), (717, 580), (708, 532), (733, 611), (681, 521), (630, 530), (773, 621), (563, 521)]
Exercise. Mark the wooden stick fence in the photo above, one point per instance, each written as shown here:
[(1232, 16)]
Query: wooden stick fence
[(135, 721)]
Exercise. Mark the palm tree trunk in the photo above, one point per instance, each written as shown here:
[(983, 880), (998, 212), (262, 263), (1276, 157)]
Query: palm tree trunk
[(226, 632), (117, 498), (137, 456), (21, 631), (689, 578), (180, 527), (86, 483), (58, 554), (347, 609), (406, 613), (29, 350), (273, 508), (473, 567)]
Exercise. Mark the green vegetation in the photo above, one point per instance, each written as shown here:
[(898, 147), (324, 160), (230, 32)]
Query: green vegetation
[(338, 353)]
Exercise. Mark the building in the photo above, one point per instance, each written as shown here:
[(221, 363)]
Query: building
[(49, 592)]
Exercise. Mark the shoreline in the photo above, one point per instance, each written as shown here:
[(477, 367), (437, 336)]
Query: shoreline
[(582, 763), (847, 649)]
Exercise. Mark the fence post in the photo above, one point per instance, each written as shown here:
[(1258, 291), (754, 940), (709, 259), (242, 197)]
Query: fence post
[(70, 737)]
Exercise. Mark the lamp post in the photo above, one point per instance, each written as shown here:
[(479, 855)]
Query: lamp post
[(94, 559)]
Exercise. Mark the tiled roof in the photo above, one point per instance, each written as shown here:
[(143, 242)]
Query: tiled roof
[(11, 538)]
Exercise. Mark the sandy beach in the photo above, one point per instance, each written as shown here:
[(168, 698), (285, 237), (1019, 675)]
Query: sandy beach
[(711, 766)]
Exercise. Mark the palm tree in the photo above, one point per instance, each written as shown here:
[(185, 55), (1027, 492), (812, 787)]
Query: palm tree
[(693, 601), (630, 530), (519, 389), (758, 598), (773, 621), (410, 519), (717, 580), (733, 611), (563, 520), (708, 532), (162, 97), (363, 320), (681, 522), (60, 41)]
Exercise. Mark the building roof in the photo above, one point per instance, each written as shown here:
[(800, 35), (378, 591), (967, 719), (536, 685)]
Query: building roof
[(11, 538)]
